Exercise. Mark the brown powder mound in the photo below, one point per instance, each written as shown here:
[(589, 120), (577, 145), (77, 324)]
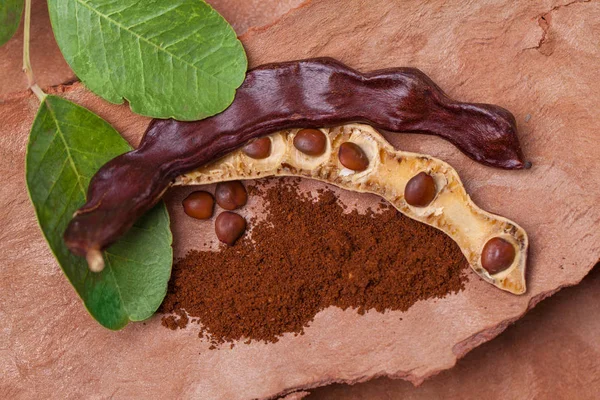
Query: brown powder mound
[(307, 255)]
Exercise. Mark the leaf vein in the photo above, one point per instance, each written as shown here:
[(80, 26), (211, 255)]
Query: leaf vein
[(62, 137), (142, 38), (62, 168), (151, 17), (65, 208), (112, 272)]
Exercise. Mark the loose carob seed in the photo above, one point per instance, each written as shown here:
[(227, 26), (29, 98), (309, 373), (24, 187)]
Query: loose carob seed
[(231, 195), (306, 255), (229, 227), (199, 204), (258, 148)]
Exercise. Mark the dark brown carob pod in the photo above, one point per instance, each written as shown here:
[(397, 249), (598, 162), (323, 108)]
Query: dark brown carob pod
[(309, 94)]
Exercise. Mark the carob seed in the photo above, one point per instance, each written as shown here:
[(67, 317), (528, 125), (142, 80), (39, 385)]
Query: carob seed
[(497, 255), (420, 190), (258, 149), (229, 227), (199, 205), (311, 142), (231, 195), (353, 157)]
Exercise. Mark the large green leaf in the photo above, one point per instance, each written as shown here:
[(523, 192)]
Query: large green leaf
[(67, 145), (176, 58), (10, 16)]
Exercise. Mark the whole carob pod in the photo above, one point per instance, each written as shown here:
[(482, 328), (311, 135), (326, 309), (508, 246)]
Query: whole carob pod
[(310, 93)]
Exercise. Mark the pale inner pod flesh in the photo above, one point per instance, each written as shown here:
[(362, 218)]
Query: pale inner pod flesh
[(389, 170)]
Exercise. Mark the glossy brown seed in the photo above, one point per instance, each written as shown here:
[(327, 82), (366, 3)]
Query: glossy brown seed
[(310, 141), (229, 227), (199, 205), (353, 157), (420, 190), (231, 195), (259, 148), (497, 255)]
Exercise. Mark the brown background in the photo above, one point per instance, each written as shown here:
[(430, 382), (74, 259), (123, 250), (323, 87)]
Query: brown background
[(552, 352)]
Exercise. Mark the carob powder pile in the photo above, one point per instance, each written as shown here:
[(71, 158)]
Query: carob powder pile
[(305, 256)]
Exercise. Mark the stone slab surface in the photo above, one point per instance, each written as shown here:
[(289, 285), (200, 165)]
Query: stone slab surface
[(551, 353), (534, 58)]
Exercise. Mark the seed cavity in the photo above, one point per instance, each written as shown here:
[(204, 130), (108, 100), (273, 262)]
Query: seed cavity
[(420, 190), (353, 157), (311, 142)]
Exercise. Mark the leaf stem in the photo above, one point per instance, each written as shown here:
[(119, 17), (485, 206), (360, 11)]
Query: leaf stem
[(26, 60)]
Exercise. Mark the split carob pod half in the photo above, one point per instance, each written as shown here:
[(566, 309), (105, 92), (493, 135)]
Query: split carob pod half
[(310, 93), (421, 187)]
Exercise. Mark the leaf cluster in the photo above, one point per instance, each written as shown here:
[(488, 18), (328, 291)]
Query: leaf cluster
[(169, 59)]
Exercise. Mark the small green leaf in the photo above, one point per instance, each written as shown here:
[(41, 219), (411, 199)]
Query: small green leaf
[(67, 145), (176, 58), (10, 17)]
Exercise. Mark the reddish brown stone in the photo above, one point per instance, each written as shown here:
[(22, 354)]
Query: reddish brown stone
[(551, 353), (494, 52)]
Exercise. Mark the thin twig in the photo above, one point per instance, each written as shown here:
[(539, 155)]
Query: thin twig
[(26, 60)]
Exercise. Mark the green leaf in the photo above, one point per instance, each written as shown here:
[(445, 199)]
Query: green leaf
[(10, 17), (176, 58), (67, 145)]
